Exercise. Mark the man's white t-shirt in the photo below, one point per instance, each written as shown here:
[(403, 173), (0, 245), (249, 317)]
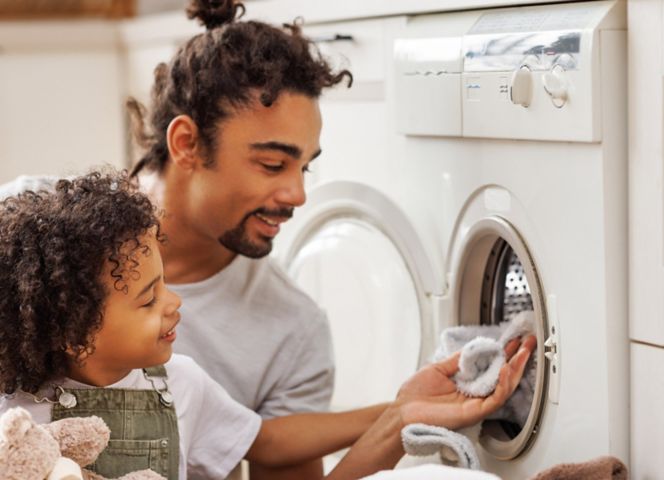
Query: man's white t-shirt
[(259, 336), (215, 431)]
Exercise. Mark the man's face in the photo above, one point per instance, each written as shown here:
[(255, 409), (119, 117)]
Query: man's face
[(257, 178)]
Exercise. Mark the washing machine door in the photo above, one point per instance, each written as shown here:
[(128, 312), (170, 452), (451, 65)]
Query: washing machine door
[(494, 278), (355, 253)]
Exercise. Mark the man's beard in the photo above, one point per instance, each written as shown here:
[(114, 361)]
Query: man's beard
[(237, 240)]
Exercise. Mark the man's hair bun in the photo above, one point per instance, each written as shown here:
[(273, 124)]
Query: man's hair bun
[(214, 13)]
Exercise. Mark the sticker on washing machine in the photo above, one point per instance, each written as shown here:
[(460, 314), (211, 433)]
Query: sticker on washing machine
[(526, 20), (507, 51)]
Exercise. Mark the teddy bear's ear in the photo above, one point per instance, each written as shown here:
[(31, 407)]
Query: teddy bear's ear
[(26, 449), (15, 423), (81, 438)]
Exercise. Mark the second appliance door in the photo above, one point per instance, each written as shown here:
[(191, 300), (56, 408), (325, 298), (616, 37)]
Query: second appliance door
[(355, 253)]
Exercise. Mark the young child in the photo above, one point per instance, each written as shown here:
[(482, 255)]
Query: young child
[(87, 326)]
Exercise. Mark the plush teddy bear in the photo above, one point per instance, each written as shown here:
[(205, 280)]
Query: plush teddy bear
[(55, 451)]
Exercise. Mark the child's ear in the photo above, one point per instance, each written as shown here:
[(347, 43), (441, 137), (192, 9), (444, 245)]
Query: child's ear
[(184, 143), (71, 352), (78, 353)]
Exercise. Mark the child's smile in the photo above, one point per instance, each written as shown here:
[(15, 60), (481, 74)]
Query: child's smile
[(170, 335)]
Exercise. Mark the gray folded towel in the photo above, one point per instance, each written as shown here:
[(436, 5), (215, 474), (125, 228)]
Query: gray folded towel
[(420, 440)]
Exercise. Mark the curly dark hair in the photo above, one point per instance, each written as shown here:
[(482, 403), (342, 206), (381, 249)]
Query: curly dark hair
[(226, 67), (54, 245)]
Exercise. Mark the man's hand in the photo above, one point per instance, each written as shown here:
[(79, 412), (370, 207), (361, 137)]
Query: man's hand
[(430, 396)]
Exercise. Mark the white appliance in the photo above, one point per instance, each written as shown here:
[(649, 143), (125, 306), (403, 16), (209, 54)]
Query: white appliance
[(481, 172)]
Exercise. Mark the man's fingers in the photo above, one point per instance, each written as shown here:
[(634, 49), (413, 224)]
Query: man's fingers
[(510, 375), (530, 343), (517, 363), (511, 348), (449, 366)]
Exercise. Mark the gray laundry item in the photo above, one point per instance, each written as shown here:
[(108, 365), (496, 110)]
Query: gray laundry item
[(456, 449), (482, 357), (479, 367)]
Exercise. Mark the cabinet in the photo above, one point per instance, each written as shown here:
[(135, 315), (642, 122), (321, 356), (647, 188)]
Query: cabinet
[(646, 195), (355, 120), (646, 236), (647, 398)]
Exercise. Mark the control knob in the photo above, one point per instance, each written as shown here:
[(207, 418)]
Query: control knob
[(555, 85), (521, 86)]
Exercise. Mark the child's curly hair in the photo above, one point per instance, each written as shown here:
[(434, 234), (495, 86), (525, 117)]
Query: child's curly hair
[(54, 246)]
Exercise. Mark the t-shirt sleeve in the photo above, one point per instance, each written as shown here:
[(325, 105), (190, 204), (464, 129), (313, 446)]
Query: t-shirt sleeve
[(307, 384), (24, 183), (223, 431)]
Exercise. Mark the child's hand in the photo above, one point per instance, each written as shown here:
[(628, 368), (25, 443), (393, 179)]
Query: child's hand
[(430, 396)]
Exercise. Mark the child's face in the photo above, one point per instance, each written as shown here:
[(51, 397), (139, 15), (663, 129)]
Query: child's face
[(138, 328)]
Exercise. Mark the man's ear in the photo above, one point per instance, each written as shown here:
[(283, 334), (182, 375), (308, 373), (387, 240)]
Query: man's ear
[(184, 145)]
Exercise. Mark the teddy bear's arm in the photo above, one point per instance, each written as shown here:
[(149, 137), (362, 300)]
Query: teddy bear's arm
[(65, 469)]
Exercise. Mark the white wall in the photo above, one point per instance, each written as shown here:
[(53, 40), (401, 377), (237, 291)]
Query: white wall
[(62, 88)]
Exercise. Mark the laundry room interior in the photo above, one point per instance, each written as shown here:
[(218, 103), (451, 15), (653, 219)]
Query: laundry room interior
[(481, 186)]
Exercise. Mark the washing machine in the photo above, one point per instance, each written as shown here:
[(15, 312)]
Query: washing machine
[(525, 113), (478, 171)]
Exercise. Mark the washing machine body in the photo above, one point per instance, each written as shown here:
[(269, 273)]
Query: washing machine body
[(524, 115)]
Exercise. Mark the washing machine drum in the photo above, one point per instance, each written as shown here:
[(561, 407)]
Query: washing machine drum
[(505, 290), (358, 275)]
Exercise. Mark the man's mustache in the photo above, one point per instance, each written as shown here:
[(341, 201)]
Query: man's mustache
[(280, 213)]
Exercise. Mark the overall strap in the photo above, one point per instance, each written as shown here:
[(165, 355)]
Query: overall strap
[(157, 371)]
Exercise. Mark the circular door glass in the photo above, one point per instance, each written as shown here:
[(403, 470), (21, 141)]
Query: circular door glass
[(358, 276)]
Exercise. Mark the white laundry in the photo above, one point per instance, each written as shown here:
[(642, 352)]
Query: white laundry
[(431, 472)]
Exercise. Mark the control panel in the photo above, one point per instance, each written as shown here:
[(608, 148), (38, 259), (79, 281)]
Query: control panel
[(529, 73)]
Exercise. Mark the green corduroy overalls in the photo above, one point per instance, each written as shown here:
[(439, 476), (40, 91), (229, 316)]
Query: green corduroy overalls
[(144, 428)]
